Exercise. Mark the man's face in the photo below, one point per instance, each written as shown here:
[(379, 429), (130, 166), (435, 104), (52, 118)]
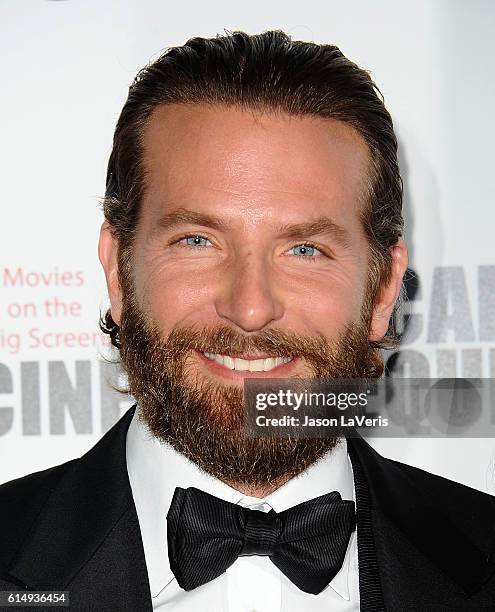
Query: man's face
[(256, 176), (249, 260)]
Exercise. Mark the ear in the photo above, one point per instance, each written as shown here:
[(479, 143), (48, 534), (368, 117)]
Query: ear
[(107, 253), (388, 294)]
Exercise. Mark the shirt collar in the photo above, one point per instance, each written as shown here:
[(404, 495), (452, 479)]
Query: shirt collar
[(155, 469)]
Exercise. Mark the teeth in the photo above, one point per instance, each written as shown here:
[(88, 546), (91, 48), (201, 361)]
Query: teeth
[(251, 365), (241, 364), (228, 362), (257, 366)]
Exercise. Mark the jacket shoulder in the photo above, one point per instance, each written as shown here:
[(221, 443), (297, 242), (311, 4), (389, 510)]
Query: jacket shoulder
[(423, 505), (21, 501), (440, 485), (470, 509)]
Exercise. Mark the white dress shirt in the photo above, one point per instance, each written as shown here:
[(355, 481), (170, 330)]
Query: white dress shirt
[(252, 583)]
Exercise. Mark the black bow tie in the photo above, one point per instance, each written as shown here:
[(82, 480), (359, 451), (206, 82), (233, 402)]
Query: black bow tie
[(307, 542)]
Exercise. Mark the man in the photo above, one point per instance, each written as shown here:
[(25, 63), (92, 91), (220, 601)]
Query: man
[(252, 230)]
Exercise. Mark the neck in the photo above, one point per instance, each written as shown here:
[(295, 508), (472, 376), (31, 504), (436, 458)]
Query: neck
[(259, 490)]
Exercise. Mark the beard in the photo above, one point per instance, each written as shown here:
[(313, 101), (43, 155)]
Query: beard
[(203, 419)]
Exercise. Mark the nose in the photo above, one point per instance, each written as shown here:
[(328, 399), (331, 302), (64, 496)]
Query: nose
[(248, 297)]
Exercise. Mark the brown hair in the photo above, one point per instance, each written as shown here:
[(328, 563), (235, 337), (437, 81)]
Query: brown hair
[(267, 71)]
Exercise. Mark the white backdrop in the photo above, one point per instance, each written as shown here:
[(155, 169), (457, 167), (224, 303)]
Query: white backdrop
[(65, 69)]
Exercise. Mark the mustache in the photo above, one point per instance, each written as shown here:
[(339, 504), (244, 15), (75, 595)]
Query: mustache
[(225, 340)]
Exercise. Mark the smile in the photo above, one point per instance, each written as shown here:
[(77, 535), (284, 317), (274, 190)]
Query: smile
[(251, 365)]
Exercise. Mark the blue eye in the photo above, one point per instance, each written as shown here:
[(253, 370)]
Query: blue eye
[(195, 240), (305, 250)]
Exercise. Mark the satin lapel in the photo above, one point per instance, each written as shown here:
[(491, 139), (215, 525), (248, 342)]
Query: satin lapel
[(87, 538), (370, 590), (422, 558)]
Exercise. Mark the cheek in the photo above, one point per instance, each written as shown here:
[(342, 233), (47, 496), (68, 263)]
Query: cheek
[(328, 304), (174, 296)]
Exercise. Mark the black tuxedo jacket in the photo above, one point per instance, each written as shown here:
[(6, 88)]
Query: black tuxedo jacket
[(424, 542)]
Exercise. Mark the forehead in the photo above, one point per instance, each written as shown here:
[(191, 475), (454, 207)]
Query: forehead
[(199, 155)]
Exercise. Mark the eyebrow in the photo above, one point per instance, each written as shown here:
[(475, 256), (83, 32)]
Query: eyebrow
[(321, 226), (183, 216), (296, 231)]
